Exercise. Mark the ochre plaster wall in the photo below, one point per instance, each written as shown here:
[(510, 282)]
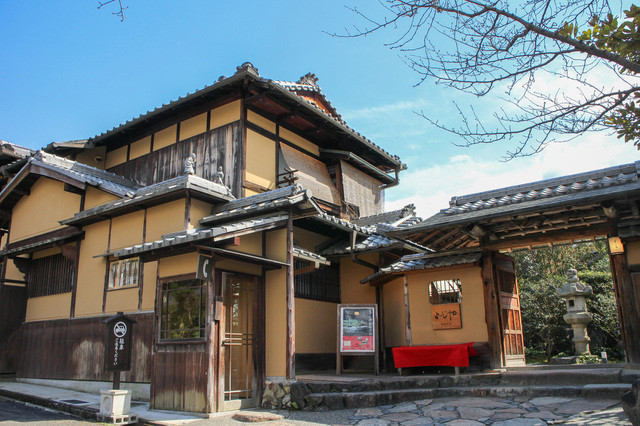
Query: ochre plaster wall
[(307, 239), (48, 196), (165, 137), (315, 326), (140, 148), (44, 253), (48, 307), (91, 271), (193, 126), (237, 266), (299, 140), (633, 252), (250, 243), (164, 219), (94, 157), (474, 326), (261, 160), (261, 121), (13, 273), (275, 304), (94, 197), (115, 157), (199, 209), (178, 265), (127, 230), (351, 290), (225, 114), (125, 300), (149, 286)]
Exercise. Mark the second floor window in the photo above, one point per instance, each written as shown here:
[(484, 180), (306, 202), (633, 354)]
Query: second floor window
[(445, 291), (124, 273)]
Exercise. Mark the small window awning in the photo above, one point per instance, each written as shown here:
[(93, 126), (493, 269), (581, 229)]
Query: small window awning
[(309, 256), (42, 241)]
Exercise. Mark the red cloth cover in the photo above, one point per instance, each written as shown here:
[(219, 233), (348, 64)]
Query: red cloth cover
[(440, 355)]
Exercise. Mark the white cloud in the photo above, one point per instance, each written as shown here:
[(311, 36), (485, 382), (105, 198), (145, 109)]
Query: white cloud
[(431, 187)]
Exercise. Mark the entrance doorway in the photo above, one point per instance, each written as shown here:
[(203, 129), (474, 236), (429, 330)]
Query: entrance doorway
[(510, 316), (237, 348)]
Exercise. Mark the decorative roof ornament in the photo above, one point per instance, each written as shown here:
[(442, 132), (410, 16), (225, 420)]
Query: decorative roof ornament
[(247, 66), (219, 177), (310, 78), (190, 164)]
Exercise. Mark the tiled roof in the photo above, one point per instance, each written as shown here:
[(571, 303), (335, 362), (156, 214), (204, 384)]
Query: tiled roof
[(106, 181), (304, 254), (589, 187), (391, 217), (193, 183), (209, 234), (583, 182), (247, 70), (371, 242), (271, 200), (14, 150), (344, 224), (415, 262)]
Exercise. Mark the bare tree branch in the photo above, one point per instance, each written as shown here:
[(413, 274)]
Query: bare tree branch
[(120, 8)]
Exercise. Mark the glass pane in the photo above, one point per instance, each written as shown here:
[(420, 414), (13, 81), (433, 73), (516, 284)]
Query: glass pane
[(183, 310)]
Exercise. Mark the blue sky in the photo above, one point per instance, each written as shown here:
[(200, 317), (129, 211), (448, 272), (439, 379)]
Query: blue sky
[(70, 71)]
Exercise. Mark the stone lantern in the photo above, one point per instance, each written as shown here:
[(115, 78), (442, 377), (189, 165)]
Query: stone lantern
[(575, 292)]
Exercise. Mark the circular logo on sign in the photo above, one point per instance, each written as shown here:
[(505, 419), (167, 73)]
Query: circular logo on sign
[(120, 329)]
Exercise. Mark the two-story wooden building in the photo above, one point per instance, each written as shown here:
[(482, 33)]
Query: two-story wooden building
[(262, 176)]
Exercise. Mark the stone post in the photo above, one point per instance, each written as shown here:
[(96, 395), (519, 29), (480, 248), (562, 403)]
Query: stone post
[(574, 292)]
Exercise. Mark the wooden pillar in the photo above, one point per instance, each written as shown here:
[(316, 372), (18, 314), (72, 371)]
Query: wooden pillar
[(213, 349), (291, 310), (628, 306), (407, 313), (381, 338), (492, 310)]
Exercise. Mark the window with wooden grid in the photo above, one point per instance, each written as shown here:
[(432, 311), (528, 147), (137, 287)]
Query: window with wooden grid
[(320, 284), (445, 291), (183, 310), (124, 273), (49, 275)]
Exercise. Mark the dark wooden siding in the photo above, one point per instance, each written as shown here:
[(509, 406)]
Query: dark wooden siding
[(74, 349), (180, 377), (13, 306), (49, 275), (217, 147)]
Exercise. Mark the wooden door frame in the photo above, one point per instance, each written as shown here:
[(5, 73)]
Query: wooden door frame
[(503, 258), (258, 343)]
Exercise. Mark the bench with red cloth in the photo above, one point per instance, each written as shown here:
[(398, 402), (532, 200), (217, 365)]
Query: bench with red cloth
[(432, 356)]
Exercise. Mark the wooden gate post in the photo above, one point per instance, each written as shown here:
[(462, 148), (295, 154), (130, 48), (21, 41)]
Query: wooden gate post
[(628, 306), (492, 314)]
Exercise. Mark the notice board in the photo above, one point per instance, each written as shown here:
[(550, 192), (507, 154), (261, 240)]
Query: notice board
[(357, 332), (446, 316)]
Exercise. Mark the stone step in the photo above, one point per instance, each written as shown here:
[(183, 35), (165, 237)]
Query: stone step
[(398, 382), (561, 377), (339, 400)]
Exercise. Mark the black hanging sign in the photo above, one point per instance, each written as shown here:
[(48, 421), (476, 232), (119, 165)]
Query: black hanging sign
[(205, 268), (118, 343)]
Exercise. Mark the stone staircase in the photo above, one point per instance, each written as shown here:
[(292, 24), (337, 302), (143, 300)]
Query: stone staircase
[(317, 393)]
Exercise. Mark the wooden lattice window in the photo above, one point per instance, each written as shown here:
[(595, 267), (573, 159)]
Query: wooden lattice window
[(183, 310), (445, 291), (49, 275), (124, 273), (320, 284)]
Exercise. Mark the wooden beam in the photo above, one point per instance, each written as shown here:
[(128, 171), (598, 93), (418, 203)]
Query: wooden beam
[(407, 314), (555, 236), (245, 257), (492, 310), (291, 306)]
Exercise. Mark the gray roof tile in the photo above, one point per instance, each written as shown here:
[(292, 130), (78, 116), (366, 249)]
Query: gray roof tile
[(422, 261)]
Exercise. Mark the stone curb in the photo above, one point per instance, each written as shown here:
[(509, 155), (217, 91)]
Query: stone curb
[(75, 410)]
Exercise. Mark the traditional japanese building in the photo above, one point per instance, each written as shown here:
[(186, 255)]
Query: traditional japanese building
[(261, 176), (230, 223)]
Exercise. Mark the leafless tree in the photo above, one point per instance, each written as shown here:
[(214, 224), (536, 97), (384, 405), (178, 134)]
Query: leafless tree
[(502, 46), (120, 7)]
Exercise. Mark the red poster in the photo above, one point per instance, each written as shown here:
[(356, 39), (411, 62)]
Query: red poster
[(357, 343)]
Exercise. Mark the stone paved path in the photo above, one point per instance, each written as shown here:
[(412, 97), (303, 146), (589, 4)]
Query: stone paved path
[(493, 411)]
